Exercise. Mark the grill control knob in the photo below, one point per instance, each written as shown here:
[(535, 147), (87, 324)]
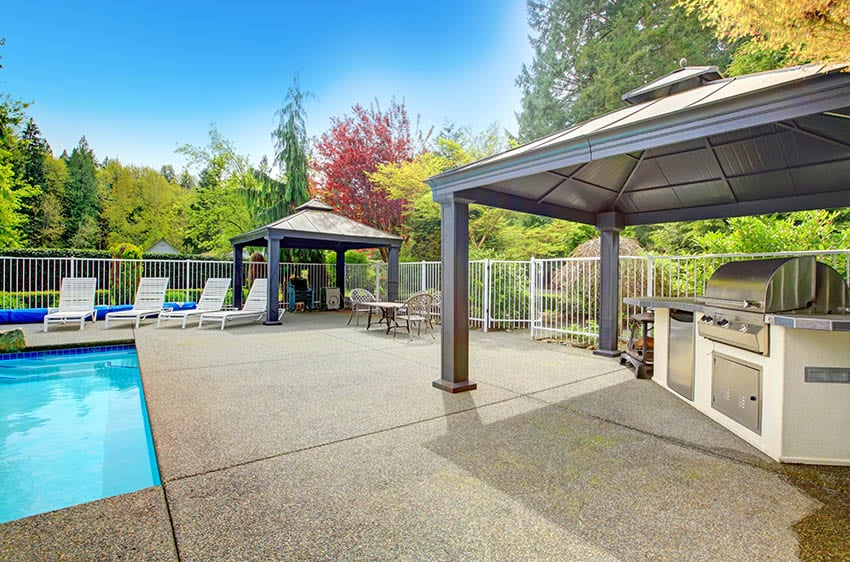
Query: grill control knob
[(744, 329), (723, 323), (707, 320)]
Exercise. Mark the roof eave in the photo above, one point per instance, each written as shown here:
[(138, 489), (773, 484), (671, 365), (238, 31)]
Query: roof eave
[(797, 99)]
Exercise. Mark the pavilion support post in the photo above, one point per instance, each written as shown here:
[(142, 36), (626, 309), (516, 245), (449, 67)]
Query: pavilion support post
[(272, 299), (340, 272), (392, 275), (454, 363), (237, 275), (609, 225)]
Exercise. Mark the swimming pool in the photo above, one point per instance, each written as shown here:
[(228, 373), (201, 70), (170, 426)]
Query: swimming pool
[(73, 429)]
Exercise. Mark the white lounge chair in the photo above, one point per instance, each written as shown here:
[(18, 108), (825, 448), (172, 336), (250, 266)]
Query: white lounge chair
[(150, 297), (212, 299), (76, 302), (255, 306)]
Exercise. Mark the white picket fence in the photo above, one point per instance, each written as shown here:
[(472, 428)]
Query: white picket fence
[(556, 297)]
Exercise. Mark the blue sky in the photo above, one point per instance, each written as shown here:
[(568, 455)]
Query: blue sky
[(140, 79)]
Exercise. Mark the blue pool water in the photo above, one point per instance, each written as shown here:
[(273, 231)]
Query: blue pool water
[(73, 429)]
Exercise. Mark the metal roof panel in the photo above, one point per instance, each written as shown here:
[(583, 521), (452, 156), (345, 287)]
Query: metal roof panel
[(647, 175), (767, 185), (704, 193), (653, 199), (688, 167), (760, 154), (610, 172), (583, 196), (820, 178)]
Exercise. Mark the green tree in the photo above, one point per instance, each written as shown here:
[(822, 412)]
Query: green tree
[(82, 202), (49, 222), (805, 230), (218, 209), (805, 30), (290, 141), (405, 181), (15, 192), (588, 53), (141, 205), (34, 154)]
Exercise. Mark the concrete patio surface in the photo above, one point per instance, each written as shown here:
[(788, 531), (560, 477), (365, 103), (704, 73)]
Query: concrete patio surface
[(314, 440)]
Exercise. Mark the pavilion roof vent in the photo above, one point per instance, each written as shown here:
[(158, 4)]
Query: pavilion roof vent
[(315, 205), (681, 79)]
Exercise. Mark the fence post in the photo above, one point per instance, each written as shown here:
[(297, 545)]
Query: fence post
[(377, 281), (650, 276), (188, 283), (73, 267), (423, 284), (532, 295), (485, 300)]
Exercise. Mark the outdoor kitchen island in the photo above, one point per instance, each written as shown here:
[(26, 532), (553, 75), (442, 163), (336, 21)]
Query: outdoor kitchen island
[(766, 354)]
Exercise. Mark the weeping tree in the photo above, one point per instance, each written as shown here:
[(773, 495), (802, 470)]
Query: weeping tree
[(281, 197), (272, 199)]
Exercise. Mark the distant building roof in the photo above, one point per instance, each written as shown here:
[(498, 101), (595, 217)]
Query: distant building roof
[(162, 247)]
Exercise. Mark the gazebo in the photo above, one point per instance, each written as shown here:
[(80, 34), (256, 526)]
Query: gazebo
[(690, 145), (313, 226)]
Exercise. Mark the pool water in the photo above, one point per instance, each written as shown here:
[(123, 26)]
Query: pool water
[(73, 429)]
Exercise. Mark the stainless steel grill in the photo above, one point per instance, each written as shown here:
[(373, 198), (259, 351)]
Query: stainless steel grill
[(740, 294)]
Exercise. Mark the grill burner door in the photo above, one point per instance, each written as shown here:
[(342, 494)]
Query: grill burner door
[(736, 391)]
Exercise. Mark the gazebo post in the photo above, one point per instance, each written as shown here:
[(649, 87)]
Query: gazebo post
[(392, 274), (237, 275), (273, 281), (609, 226), (340, 272), (454, 329)]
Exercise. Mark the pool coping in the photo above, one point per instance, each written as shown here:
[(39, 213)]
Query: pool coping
[(76, 349)]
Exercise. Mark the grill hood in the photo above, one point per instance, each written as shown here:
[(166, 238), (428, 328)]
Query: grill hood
[(778, 285)]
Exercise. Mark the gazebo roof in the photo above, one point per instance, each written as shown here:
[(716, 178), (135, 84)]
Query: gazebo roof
[(314, 225), (691, 146)]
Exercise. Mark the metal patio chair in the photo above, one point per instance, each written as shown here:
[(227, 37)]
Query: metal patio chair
[(416, 310), (357, 298)]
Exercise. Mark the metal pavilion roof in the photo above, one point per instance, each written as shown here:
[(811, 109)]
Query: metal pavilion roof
[(314, 225), (760, 143)]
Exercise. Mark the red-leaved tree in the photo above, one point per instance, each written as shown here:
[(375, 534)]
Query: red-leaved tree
[(354, 147)]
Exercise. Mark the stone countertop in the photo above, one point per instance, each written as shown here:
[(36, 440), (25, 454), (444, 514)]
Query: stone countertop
[(823, 322), (677, 303)]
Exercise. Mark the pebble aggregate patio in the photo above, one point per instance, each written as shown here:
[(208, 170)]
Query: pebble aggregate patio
[(320, 441)]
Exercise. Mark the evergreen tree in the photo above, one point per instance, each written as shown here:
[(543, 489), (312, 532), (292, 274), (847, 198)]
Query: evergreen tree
[(588, 53), (290, 141), (34, 153), (82, 203)]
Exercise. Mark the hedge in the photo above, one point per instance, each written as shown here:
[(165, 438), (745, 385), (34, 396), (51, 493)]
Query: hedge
[(104, 254)]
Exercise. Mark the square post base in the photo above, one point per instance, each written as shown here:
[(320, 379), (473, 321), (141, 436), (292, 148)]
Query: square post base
[(272, 323), (607, 352), (454, 387)]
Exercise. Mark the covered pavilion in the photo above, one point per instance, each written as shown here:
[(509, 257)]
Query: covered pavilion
[(313, 226), (690, 145)]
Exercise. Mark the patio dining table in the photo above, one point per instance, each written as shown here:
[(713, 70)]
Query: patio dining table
[(388, 310)]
